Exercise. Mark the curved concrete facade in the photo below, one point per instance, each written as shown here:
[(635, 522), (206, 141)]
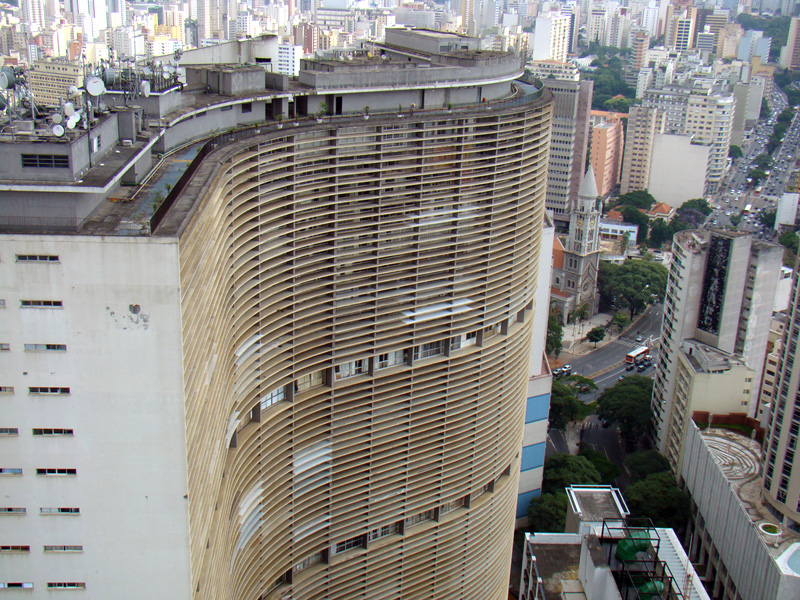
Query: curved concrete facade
[(357, 303)]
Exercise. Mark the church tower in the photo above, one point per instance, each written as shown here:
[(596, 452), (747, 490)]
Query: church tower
[(582, 250)]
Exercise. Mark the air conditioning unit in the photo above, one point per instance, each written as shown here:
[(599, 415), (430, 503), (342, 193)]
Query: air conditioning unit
[(127, 143)]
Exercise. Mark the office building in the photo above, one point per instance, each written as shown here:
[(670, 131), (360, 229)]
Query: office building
[(301, 368), (643, 124), (50, 80), (719, 293), (570, 137), (790, 53)]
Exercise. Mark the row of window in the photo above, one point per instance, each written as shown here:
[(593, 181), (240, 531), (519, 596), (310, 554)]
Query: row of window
[(38, 391), (51, 585), (44, 510), (37, 258), (37, 347), (26, 549), (47, 471), (38, 431)]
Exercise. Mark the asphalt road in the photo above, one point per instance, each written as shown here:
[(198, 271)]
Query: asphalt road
[(607, 363)]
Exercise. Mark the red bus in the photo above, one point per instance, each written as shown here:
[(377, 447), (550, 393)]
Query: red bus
[(637, 356)]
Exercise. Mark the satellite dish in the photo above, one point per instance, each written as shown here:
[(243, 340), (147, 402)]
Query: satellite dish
[(73, 121), (95, 86), (56, 118), (73, 91), (58, 130), (68, 109), (147, 71), (144, 88), (110, 75)]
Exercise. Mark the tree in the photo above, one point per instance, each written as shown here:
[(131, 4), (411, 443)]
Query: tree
[(647, 462), (660, 233), (579, 384), (633, 215), (735, 152), (767, 218), (756, 175), (627, 403), (789, 241), (634, 284), (620, 319), (607, 469), (640, 199), (616, 104), (555, 333), (736, 219), (548, 513), (700, 204), (562, 470), (596, 334), (763, 161), (765, 111), (659, 498), (564, 405), (786, 116)]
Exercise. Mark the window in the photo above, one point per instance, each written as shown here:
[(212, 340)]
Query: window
[(452, 505), (45, 347), (349, 544), (224, 108), (41, 303), (56, 471), (12, 510), (247, 107), (312, 380), (5, 347), (46, 161), (10, 471), (273, 397), (66, 585), (51, 431), (309, 561), (464, 341), (427, 350), (6, 389), (384, 531), (15, 548), (390, 359), (53, 391), (350, 369), (37, 258), (63, 548), (61, 510), (9, 431), (15, 585), (428, 515)]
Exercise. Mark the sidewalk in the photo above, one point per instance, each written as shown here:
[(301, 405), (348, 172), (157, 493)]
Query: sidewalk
[(575, 343)]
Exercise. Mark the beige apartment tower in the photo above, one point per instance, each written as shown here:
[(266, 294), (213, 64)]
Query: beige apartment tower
[(643, 124), (305, 374), (608, 139)]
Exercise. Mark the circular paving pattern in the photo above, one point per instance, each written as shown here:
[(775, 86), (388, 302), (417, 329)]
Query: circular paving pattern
[(736, 461)]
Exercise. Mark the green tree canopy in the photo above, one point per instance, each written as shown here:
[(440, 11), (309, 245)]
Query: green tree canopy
[(562, 470), (607, 469), (767, 218), (627, 403), (735, 152), (555, 333), (786, 116), (757, 175), (620, 319), (659, 498), (579, 384), (596, 334), (633, 285), (633, 215), (763, 161), (775, 27), (548, 513), (736, 219), (647, 462), (564, 405), (789, 240), (640, 199), (765, 111), (660, 233)]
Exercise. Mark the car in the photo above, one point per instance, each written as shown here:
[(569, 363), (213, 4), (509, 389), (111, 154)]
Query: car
[(620, 378), (566, 370), (642, 367), (639, 337), (630, 367)]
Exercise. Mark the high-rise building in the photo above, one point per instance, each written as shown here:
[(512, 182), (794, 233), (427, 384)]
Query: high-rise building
[(551, 37), (640, 42), (681, 26), (570, 140), (295, 361), (643, 124), (781, 481), (719, 293), (790, 53), (709, 120), (608, 139)]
